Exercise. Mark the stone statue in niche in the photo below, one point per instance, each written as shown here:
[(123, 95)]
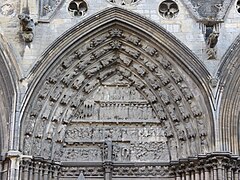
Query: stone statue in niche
[(168, 129), (174, 92), (90, 86), (36, 147), (47, 149), (211, 41), (133, 39), (185, 90), (61, 132), (50, 129), (150, 50), (27, 145), (58, 113), (27, 26), (153, 81), (69, 115), (57, 93), (164, 96), (132, 52), (173, 113), (57, 73), (197, 112), (139, 68), (173, 147), (78, 82), (45, 90), (151, 66), (37, 108), (176, 76), (108, 147), (47, 110), (40, 128), (69, 61), (66, 98), (58, 151), (30, 125), (163, 78), (183, 110), (67, 79)]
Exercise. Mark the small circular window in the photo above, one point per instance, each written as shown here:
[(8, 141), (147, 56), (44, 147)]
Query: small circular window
[(238, 6), (123, 2), (77, 7), (168, 9)]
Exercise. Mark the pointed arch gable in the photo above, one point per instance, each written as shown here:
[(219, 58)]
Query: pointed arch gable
[(168, 81), (229, 98), (8, 95)]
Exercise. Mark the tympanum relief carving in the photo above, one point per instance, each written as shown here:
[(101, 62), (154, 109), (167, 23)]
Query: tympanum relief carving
[(120, 90)]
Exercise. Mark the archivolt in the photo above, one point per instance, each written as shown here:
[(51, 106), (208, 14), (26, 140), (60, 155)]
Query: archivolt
[(145, 56), (229, 94), (8, 94)]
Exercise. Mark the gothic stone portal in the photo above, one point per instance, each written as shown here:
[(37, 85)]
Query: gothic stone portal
[(115, 106)]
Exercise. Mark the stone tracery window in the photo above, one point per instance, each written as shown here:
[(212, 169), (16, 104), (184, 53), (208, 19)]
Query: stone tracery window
[(238, 6), (123, 2), (168, 9), (77, 7)]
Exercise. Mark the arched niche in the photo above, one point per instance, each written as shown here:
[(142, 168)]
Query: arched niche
[(229, 98), (113, 87), (8, 95)]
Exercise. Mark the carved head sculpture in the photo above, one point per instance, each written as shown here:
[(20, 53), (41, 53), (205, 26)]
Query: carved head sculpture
[(26, 22)]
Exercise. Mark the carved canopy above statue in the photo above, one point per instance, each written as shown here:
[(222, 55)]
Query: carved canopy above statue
[(116, 93)]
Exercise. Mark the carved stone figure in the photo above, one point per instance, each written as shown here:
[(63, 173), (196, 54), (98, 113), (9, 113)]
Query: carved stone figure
[(28, 27), (78, 82), (108, 150), (58, 113), (150, 50), (186, 91), (164, 96), (173, 113), (176, 95), (45, 90), (195, 108), (55, 76), (27, 145), (164, 79), (140, 69), (176, 76), (36, 147), (61, 132), (133, 39), (212, 40), (37, 107), (173, 147), (47, 110), (40, 128), (30, 125), (132, 52)]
